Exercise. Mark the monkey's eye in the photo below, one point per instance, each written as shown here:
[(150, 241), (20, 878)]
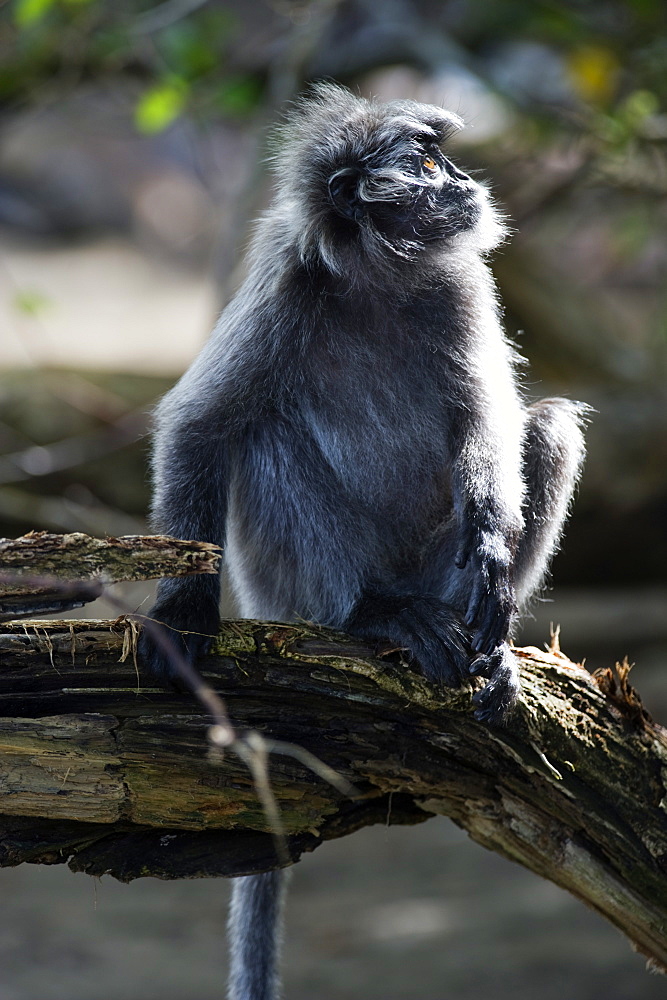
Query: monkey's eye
[(428, 163)]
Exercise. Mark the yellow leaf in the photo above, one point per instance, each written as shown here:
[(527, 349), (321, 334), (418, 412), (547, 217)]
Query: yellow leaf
[(593, 71)]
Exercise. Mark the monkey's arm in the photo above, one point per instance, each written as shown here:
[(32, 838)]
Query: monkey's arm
[(488, 494), (190, 481)]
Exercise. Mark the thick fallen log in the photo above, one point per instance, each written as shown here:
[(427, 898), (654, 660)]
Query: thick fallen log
[(103, 770), (88, 562)]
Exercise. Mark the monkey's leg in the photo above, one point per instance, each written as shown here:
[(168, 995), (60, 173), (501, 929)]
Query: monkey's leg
[(425, 627), (190, 502), (255, 931), (553, 453)]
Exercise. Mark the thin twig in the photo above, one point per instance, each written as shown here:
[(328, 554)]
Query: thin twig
[(252, 749), (315, 765)]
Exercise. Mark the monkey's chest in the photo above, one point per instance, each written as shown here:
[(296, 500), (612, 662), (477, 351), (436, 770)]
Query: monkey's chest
[(314, 495), (389, 453)]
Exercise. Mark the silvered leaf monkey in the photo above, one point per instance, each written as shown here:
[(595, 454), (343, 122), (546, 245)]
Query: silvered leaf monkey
[(354, 434)]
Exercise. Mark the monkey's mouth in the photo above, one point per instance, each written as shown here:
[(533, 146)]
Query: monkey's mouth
[(457, 209), (472, 206)]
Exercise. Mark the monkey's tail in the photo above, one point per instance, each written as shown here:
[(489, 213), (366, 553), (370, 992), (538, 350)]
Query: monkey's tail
[(255, 936)]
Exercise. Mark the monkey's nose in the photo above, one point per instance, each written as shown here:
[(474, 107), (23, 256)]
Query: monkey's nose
[(344, 193), (454, 172)]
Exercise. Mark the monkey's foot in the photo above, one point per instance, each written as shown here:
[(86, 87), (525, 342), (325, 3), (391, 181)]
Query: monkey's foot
[(496, 700), (427, 629), (175, 634)]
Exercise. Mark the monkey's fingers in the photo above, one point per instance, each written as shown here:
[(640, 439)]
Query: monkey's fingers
[(491, 605), (481, 666), (466, 547), (479, 593), (462, 556), (496, 700), (494, 626)]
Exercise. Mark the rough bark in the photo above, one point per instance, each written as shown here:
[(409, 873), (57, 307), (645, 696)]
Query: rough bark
[(100, 768), (77, 557)]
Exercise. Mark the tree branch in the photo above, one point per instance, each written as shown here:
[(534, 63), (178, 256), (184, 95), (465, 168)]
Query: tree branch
[(103, 770), (78, 557)]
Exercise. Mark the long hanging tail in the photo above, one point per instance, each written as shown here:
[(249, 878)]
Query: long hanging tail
[(255, 932)]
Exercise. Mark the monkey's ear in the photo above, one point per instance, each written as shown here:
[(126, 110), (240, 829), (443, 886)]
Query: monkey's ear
[(344, 193)]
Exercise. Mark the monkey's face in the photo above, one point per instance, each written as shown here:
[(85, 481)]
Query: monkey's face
[(407, 189), (373, 183)]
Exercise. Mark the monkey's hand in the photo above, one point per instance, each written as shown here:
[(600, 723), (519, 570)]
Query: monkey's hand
[(426, 628), (183, 625), (492, 604)]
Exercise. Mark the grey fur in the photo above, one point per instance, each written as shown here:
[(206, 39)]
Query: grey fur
[(354, 429), (255, 932)]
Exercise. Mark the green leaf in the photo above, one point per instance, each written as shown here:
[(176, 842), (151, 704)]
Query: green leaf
[(31, 302), (239, 94), (160, 106), (27, 12), (188, 51), (639, 105)]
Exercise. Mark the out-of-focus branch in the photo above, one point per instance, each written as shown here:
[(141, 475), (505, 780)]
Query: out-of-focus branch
[(79, 557), (66, 514), (43, 460)]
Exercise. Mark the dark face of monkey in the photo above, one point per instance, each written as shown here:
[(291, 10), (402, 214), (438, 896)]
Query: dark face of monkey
[(415, 193), (373, 180)]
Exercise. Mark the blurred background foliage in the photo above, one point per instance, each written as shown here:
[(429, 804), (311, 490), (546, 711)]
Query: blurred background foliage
[(132, 160), (144, 124), (133, 136)]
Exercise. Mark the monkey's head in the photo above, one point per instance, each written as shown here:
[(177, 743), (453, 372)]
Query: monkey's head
[(369, 183)]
